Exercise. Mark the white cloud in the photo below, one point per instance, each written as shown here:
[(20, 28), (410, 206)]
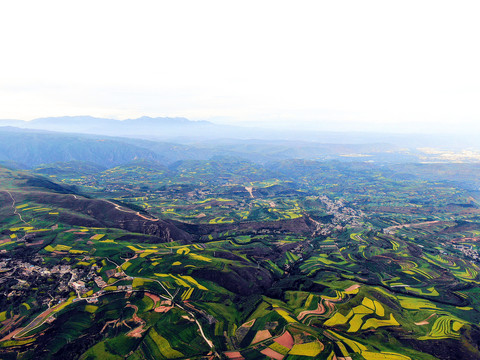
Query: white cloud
[(375, 62)]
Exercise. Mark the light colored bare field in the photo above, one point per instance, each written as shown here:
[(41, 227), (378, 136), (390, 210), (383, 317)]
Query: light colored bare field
[(137, 332), (163, 309), (233, 355), (249, 324), (39, 242), (418, 224), (285, 340), (261, 335), (425, 322), (154, 297), (352, 288), (272, 354)]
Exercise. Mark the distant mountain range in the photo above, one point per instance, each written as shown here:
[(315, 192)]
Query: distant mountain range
[(108, 143), (27, 148), (182, 130), (145, 127)]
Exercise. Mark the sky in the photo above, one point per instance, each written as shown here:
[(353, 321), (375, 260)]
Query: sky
[(400, 66)]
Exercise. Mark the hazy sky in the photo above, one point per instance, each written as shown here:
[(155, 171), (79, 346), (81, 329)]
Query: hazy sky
[(409, 65)]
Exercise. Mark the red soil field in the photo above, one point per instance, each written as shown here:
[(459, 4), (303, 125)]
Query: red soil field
[(285, 340), (273, 354), (233, 355), (261, 335)]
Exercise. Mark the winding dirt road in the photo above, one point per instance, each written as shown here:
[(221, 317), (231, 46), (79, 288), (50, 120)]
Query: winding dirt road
[(14, 208), (119, 208)]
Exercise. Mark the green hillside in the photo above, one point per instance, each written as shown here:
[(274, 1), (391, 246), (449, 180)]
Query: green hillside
[(235, 260)]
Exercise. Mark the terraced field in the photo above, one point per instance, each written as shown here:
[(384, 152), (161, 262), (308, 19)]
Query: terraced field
[(291, 261)]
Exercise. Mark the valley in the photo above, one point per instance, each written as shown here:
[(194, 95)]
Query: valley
[(231, 259)]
